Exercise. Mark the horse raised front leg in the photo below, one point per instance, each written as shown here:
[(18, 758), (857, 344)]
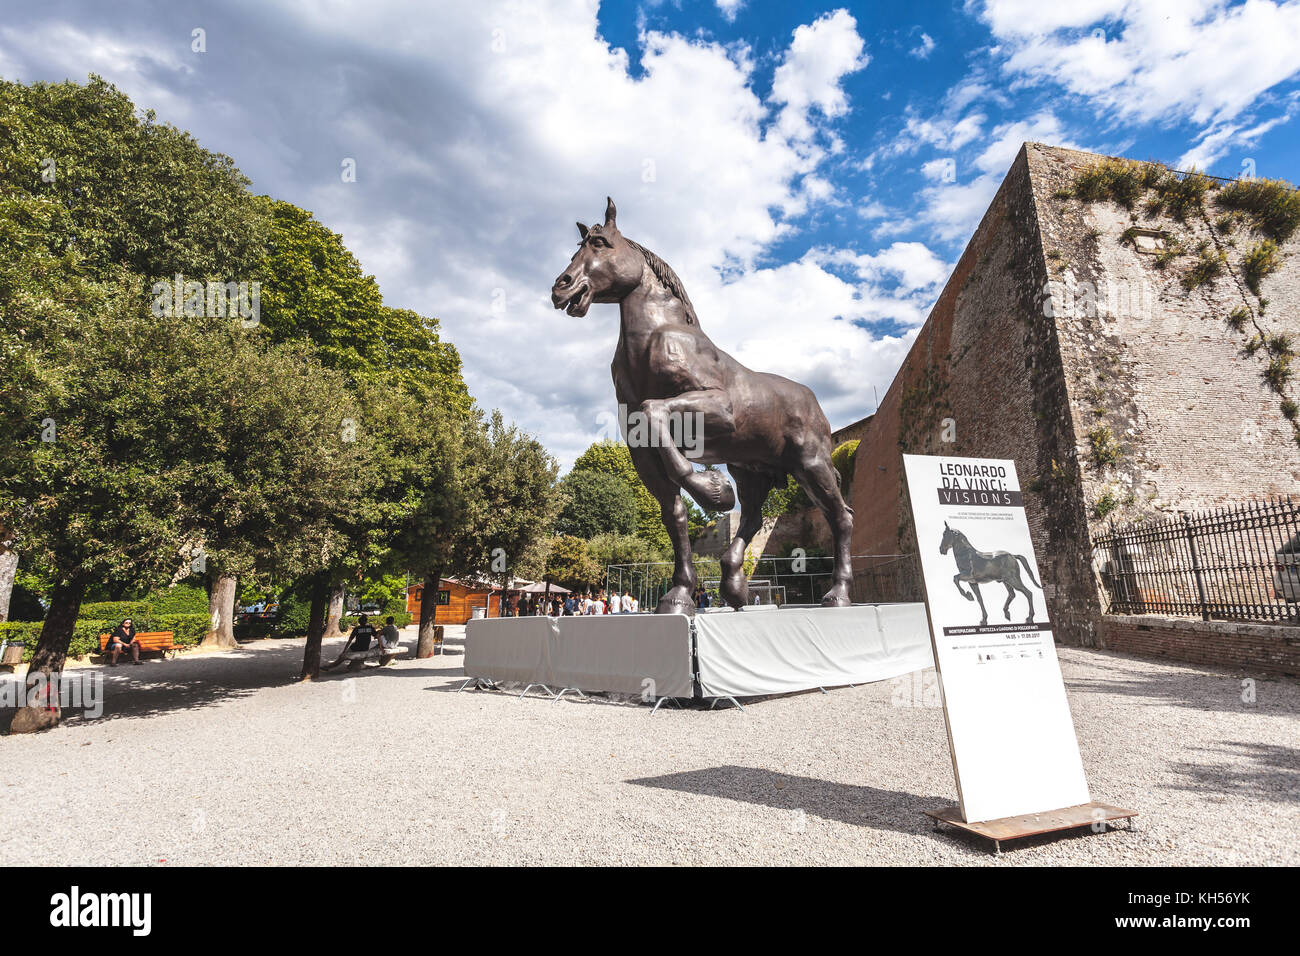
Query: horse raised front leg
[(692, 418), (957, 579)]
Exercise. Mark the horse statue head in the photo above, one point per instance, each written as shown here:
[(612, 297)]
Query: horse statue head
[(605, 268), (950, 538)]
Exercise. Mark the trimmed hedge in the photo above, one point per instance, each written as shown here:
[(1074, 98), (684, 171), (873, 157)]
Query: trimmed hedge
[(184, 599)]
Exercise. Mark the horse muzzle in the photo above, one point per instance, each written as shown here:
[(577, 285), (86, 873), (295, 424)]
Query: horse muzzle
[(573, 297)]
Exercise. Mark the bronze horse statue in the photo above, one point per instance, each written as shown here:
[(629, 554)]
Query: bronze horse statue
[(982, 567), (667, 370)]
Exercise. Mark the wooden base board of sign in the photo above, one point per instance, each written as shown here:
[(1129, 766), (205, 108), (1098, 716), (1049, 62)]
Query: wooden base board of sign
[(1034, 824)]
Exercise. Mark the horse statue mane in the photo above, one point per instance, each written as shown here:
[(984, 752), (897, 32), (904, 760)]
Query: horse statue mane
[(664, 273)]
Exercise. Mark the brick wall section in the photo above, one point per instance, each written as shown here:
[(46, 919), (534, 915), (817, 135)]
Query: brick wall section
[(1266, 648)]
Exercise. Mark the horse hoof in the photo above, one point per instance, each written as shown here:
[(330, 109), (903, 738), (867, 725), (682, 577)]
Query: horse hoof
[(711, 490), (669, 605), (836, 599)]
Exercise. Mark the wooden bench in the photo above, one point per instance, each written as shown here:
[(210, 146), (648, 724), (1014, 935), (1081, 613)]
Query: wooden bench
[(150, 641)]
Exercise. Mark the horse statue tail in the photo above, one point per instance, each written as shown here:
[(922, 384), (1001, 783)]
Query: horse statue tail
[(1029, 571)]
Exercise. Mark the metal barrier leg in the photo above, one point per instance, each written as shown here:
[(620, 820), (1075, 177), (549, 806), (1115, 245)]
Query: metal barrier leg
[(660, 702), (576, 690), (733, 700)]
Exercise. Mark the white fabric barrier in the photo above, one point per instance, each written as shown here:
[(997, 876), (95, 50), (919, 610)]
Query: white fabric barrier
[(742, 654), (642, 654)]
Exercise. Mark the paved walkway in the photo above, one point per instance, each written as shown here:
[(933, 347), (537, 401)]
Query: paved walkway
[(224, 758)]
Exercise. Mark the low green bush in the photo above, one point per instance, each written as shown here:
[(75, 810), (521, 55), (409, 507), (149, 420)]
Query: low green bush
[(187, 629), (181, 599), (295, 612), (116, 611)]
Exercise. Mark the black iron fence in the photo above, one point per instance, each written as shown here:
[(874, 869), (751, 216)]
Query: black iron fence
[(1239, 563)]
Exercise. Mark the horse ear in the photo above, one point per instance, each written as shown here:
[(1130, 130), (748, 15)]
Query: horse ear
[(611, 213), (582, 231), (945, 526)]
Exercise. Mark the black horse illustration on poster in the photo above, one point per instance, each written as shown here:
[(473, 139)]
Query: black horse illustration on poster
[(984, 567)]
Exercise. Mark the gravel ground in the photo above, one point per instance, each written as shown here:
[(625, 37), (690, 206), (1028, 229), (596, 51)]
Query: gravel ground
[(223, 759)]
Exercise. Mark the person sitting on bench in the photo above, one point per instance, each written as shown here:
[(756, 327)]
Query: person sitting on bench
[(389, 639), (358, 641), (123, 636)]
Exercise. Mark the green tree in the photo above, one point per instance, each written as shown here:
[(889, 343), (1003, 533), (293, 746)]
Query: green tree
[(594, 502), (844, 457), (104, 473), (488, 496), (315, 289), (613, 458), (266, 464), (570, 565)]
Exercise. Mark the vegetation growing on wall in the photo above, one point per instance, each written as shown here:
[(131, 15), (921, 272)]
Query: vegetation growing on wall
[(922, 407), (1270, 207)]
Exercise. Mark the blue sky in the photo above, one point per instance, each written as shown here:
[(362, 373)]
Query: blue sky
[(812, 171)]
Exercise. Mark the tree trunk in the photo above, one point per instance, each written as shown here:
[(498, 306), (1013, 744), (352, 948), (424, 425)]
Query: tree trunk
[(320, 597), (42, 710), (8, 568), (428, 612), (333, 620), (221, 612)]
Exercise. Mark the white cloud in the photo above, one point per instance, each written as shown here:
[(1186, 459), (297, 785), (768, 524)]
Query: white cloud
[(1006, 139), (1155, 60), (729, 9), (1215, 141), (953, 211), (923, 49), (480, 133), (820, 55)]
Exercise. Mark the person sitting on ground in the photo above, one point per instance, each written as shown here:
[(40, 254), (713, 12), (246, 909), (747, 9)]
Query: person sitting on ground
[(123, 636), (358, 641)]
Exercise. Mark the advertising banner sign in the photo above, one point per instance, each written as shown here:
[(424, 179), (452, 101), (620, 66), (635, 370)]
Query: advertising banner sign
[(1009, 727)]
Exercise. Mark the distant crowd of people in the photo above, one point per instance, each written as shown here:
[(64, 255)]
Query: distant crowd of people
[(522, 604)]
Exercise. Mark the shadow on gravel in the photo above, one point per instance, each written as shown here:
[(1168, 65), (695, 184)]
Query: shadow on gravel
[(841, 802), (1209, 692), (846, 803), (1268, 771)]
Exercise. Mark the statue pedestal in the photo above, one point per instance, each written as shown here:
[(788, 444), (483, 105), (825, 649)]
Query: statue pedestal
[(714, 655)]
